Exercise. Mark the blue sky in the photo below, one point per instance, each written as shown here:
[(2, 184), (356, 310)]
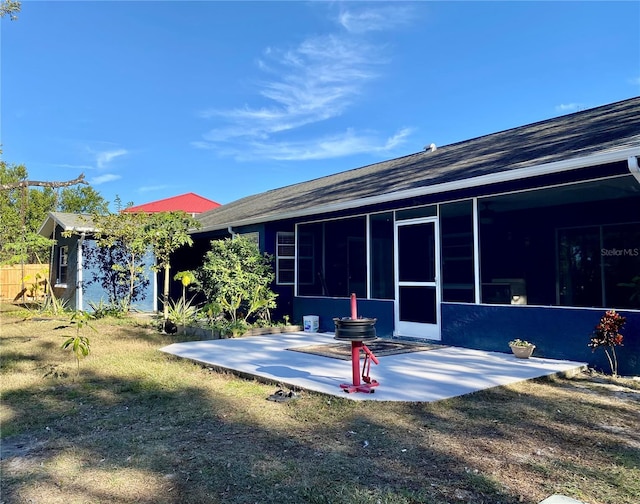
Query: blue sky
[(228, 99)]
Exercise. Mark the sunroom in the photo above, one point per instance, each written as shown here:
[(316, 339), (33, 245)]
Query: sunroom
[(568, 244)]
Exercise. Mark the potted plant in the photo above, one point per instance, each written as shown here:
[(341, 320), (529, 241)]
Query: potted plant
[(522, 349)]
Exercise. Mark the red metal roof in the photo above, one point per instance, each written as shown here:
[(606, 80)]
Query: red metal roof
[(189, 202)]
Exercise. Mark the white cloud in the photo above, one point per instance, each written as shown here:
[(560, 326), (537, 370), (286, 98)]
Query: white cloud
[(145, 189), (375, 19), (319, 79), (313, 82), (635, 81), (75, 167), (202, 145), (105, 157), (569, 107), (107, 177), (328, 147)]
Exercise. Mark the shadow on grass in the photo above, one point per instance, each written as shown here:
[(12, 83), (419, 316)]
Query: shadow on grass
[(179, 433), (13, 359), (187, 444), (561, 432)]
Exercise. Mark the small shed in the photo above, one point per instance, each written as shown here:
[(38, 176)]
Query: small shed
[(72, 278)]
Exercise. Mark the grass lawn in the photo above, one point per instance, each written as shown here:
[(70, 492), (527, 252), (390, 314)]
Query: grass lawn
[(140, 426)]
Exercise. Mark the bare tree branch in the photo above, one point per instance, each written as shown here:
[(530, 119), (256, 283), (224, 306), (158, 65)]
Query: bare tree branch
[(33, 183)]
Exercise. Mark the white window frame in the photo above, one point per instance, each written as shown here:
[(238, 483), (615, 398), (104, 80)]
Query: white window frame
[(63, 265), (291, 236)]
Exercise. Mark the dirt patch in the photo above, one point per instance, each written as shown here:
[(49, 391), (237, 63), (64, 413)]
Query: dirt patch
[(20, 446)]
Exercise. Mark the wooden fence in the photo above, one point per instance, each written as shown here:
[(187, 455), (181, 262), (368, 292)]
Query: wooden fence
[(15, 279)]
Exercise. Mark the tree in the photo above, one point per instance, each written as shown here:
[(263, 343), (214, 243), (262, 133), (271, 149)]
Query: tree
[(237, 277), (84, 199), (168, 231), (126, 235), (24, 204), (41, 183), (10, 8), (22, 210), (30, 249), (106, 267), (10, 204)]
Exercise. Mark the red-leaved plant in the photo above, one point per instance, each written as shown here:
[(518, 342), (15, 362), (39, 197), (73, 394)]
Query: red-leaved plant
[(607, 335)]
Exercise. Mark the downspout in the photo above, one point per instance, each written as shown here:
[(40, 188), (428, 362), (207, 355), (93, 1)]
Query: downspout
[(79, 288), (231, 232), (634, 169), (154, 307), (52, 274)]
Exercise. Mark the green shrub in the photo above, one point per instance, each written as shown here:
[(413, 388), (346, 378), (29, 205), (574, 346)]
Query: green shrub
[(102, 309), (236, 277)]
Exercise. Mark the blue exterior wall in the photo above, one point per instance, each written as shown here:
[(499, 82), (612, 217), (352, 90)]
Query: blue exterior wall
[(557, 332), (94, 292), (329, 308)]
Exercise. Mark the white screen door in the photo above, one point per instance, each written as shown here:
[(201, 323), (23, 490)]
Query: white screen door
[(417, 263)]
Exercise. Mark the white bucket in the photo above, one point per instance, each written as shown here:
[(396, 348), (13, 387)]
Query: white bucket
[(311, 323)]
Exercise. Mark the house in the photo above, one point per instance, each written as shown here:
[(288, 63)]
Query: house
[(526, 233), (190, 203), (72, 274)]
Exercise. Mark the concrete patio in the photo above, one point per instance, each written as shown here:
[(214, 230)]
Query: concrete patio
[(414, 377)]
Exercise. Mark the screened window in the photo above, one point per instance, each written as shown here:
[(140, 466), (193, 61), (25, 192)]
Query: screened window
[(285, 258), (570, 245), (599, 266), (309, 250), (456, 228), (381, 236), (332, 258)]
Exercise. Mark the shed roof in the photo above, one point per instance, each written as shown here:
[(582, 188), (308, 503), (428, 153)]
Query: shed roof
[(601, 133), (79, 223), (190, 202)]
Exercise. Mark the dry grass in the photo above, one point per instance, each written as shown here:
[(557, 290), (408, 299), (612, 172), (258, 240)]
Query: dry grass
[(139, 426)]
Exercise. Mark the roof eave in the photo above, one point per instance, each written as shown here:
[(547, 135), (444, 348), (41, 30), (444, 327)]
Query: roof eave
[(48, 226), (481, 180)]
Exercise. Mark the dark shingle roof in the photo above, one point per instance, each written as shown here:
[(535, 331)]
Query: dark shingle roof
[(609, 127)]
